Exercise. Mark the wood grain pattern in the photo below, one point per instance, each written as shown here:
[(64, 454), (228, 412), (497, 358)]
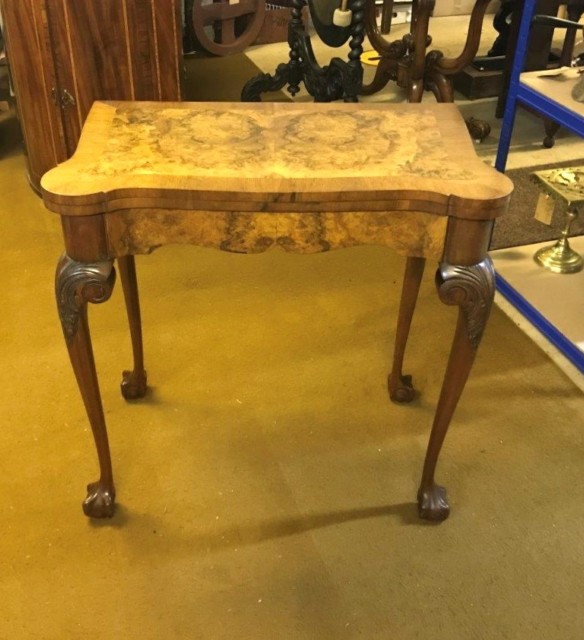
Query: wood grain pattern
[(141, 231), (28, 47), (349, 156), (60, 37), (64, 54)]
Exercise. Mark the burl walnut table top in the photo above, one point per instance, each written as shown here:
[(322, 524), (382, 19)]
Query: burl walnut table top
[(276, 157)]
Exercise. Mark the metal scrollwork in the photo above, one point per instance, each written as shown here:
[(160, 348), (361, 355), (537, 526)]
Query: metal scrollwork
[(78, 283), (472, 288)]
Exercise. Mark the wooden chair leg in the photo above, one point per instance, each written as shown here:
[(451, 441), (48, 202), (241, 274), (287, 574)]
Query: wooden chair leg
[(77, 284), (472, 288), (384, 73), (550, 128), (400, 386), (441, 87), (134, 383), (386, 16)]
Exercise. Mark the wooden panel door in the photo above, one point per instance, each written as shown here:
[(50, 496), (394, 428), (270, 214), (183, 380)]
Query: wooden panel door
[(65, 54), (114, 50), (34, 78)]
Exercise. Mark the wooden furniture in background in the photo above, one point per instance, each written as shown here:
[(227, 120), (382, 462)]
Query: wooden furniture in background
[(247, 177), (550, 97), (537, 53), (339, 79), (410, 63), (488, 76), (224, 27), (64, 54)]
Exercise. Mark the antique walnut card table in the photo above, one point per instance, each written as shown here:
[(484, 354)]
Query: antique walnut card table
[(247, 177)]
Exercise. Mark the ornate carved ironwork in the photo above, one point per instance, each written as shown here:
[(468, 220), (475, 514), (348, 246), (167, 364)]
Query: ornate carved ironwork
[(472, 288), (339, 79), (78, 283)]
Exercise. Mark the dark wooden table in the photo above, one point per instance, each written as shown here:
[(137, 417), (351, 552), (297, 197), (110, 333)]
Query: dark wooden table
[(303, 177)]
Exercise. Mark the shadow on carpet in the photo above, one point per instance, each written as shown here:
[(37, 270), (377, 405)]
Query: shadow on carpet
[(519, 226), (221, 79)]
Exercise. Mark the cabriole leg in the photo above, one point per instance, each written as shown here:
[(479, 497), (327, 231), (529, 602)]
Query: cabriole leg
[(133, 382), (77, 284), (472, 288), (400, 386)]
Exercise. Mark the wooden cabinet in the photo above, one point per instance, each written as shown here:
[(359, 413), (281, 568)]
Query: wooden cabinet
[(64, 54)]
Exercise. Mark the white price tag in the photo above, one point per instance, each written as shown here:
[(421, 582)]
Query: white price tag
[(544, 210)]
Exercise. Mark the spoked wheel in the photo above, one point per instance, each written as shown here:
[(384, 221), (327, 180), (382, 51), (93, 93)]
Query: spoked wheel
[(223, 27)]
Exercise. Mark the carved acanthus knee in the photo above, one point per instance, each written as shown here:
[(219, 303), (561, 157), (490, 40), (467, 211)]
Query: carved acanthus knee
[(472, 288), (78, 283)]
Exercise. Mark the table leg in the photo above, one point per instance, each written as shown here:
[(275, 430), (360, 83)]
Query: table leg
[(77, 284), (386, 16), (134, 382), (472, 288), (400, 386), (550, 128), (384, 73)]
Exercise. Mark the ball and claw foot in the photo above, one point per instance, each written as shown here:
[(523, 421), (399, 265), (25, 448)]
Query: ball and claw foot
[(401, 388), (134, 384), (548, 142), (100, 501), (478, 129), (433, 503)]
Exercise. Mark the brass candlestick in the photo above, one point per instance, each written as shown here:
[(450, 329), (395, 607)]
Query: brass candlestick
[(560, 257), (567, 186)]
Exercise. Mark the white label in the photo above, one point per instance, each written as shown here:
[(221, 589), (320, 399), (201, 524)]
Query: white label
[(544, 210)]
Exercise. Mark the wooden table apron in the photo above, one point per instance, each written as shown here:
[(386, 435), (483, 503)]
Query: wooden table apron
[(113, 209)]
